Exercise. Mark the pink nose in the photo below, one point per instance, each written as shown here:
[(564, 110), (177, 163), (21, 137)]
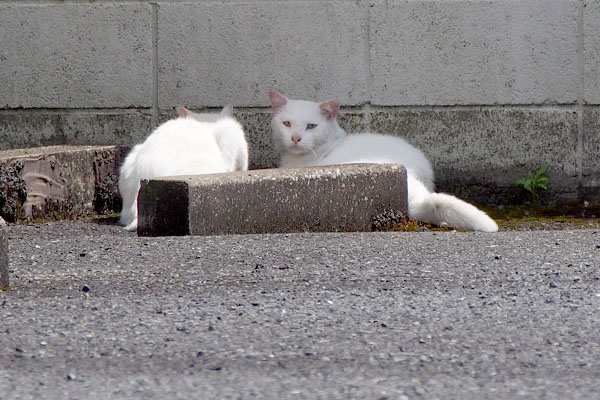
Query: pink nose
[(296, 138)]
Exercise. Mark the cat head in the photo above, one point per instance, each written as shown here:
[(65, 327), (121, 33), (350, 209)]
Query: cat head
[(226, 112), (301, 127)]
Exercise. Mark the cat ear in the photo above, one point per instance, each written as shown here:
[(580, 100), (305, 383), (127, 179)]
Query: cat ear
[(183, 112), (330, 109), (277, 100), (227, 111)]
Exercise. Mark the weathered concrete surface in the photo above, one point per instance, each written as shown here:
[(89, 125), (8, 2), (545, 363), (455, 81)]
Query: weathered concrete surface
[(4, 278), (474, 52), (591, 155), (317, 199), (217, 53), (591, 45), (135, 54), (480, 154), (258, 134), (75, 55), (477, 154), (22, 129), (59, 181)]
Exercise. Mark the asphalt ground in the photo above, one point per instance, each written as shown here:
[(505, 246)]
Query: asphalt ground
[(95, 312)]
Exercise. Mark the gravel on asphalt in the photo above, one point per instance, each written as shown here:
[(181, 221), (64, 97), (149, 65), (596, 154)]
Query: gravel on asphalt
[(97, 312)]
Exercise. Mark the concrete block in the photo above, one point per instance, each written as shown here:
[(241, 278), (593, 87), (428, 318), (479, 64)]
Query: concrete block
[(214, 53), (333, 198), (479, 154), (354, 121), (59, 181), (474, 52), (75, 55), (257, 126), (591, 155), (4, 281), (21, 129), (591, 44)]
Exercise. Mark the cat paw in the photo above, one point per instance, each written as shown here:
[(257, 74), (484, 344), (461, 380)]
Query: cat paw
[(131, 227)]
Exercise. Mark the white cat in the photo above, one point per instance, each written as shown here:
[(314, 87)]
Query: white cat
[(189, 145), (307, 134)]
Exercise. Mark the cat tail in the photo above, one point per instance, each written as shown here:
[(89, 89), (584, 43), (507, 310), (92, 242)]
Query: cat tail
[(444, 209), (129, 185)]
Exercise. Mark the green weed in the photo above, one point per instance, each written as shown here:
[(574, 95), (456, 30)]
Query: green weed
[(534, 182)]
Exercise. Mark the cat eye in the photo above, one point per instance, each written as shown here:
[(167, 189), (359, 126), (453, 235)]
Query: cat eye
[(311, 126), (287, 123)]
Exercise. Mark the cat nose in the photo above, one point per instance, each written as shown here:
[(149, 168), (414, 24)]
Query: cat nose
[(296, 138)]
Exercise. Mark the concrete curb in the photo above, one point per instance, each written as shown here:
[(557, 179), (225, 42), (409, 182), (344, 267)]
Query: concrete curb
[(316, 199), (59, 182)]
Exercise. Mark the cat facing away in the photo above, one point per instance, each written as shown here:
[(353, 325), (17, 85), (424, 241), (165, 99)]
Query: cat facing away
[(188, 145), (306, 133)]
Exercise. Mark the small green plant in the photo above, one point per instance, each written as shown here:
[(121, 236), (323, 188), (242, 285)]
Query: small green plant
[(534, 182)]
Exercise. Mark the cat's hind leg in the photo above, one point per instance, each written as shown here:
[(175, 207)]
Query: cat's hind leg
[(129, 185)]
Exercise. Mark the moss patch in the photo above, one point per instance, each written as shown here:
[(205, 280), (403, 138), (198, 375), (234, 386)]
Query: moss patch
[(104, 219), (521, 218), (528, 217), (418, 226)]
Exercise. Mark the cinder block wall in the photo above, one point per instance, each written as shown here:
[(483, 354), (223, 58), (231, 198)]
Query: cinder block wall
[(488, 89)]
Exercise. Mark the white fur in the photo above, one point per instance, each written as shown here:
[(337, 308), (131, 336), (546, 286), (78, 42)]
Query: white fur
[(328, 144), (189, 145)]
